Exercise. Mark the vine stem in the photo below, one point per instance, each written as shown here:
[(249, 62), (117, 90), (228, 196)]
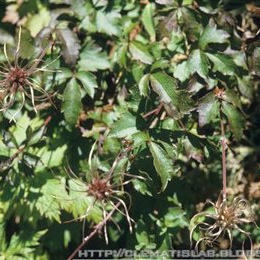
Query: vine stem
[(93, 233), (224, 165)]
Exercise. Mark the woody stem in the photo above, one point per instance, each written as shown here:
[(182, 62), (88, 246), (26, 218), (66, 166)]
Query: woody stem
[(94, 232), (224, 166)]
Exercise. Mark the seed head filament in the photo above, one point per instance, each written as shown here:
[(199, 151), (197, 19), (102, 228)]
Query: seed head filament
[(20, 79)]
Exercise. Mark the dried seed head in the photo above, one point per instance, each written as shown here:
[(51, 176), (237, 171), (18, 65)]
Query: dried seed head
[(228, 217), (219, 92), (99, 188), (15, 78)]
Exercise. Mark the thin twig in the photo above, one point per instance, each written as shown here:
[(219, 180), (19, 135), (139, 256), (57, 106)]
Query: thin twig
[(7, 163), (224, 166), (155, 111), (93, 233), (119, 157)]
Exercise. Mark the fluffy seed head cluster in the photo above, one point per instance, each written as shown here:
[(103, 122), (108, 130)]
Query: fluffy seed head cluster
[(16, 78), (228, 216)]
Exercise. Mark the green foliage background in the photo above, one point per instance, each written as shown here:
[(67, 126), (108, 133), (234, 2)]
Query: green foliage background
[(120, 60)]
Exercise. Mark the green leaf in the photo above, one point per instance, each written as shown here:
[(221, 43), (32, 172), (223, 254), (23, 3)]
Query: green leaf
[(88, 81), (125, 126), (38, 21), (164, 2), (256, 61), (160, 64), (191, 23), (70, 45), (92, 59), (165, 86), (162, 163), (144, 85), (5, 37), (181, 72), (24, 244), (245, 86), (222, 63), (50, 158), (175, 218), (147, 19), (235, 119), (72, 102), (232, 97), (141, 186), (140, 138), (27, 49), (108, 22), (212, 35), (208, 109), (48, 201), (198, 63), (140, 52)]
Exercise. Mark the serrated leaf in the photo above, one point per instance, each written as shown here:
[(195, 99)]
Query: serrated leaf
[(144, 85), (256, 61), (50, 158), (147, 19), (212, 35), (140, 52), (198, 63), (235, 119), (232, 97), (222, 63), (27, 49), (165, 2), (72, 102), (108, 22), (162, 163), (165, 86), (70, 45), (92, 59), (191, 23), (181, 72), (48, 203), (208, 109), (5, 37), (125, 126), (245, 86), (88, 81), (23, 244), (38, 21), (192, 151), (141, 187)]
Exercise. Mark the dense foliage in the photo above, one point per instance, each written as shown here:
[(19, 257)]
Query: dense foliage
[(119, 110)]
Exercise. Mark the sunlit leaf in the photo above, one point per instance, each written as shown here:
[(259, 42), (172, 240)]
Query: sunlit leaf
[(108, 22), (88, 81), (70, 45), (222, 63), (147, 19), (140, 52), (72, 102), (198, 62), (92, 59), (166, 87), (144, 85), (125, 126), (162, 164), (208, 109), (212, 35), (235, 119)]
